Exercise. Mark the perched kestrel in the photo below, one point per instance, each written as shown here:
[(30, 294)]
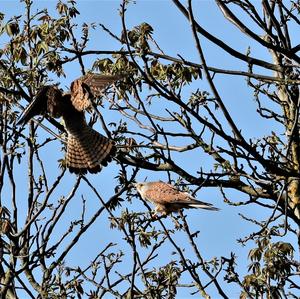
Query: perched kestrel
[(87, 150), (167, 198)]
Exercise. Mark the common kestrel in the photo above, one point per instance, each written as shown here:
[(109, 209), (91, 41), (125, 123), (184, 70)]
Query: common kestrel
[(167, 198), (87, 150)]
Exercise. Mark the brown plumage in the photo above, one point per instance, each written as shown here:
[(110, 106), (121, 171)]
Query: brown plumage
[(48, 99), (167, 198), (90, 84), (87, 150)]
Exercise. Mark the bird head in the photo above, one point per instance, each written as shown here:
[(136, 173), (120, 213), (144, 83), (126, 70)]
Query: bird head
[(140, 186)]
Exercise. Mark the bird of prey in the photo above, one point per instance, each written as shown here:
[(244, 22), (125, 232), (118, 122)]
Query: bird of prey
[(167, 198), (87, 150)]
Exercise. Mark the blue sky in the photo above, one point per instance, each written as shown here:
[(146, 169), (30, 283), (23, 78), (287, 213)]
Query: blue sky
[(219, 231)]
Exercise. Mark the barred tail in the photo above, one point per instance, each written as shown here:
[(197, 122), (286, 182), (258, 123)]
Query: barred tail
[(88, 152)]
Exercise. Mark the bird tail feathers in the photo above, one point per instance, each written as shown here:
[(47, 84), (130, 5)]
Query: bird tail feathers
[(194, 203), (89, 151), (204, 206)]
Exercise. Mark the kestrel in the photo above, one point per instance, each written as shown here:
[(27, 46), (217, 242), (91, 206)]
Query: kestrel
[(167, 198), (87, 150)]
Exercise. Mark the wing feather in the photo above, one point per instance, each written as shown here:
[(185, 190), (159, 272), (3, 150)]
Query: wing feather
[(167, 195), (89, 86), (48, 99), (162, 193)]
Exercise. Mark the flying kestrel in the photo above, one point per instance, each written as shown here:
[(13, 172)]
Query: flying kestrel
[(167, 198), (87, 150)]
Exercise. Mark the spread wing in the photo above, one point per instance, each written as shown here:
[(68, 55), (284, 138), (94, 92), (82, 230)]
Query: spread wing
[(47, 100), (89, 86)]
